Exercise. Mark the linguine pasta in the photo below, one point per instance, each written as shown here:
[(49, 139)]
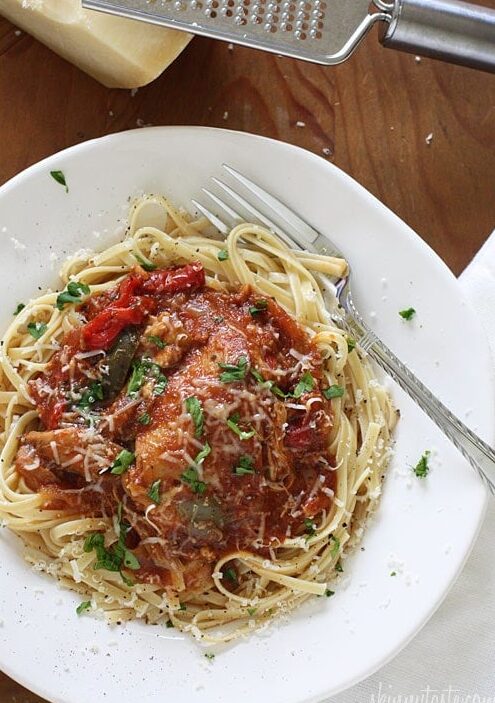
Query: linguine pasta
[(363, 418)]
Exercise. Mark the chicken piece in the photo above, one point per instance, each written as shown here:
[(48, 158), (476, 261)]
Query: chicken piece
[(168, 446), (164, 340), (73, 451)]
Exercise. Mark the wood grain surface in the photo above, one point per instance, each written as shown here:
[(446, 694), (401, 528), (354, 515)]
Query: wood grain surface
[(372, 116)]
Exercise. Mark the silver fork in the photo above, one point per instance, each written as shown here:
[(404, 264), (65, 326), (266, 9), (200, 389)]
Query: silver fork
[(261, 207)]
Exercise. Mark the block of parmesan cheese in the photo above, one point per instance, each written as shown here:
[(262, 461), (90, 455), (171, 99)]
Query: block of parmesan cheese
[(118, 52)]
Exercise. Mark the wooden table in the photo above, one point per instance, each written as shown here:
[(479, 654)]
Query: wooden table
[(420, 135)]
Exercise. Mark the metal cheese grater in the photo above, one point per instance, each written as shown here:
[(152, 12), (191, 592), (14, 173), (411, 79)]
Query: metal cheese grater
[(328, 31)]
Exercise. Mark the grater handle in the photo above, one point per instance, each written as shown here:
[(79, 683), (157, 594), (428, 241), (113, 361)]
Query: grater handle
[(451, 30)]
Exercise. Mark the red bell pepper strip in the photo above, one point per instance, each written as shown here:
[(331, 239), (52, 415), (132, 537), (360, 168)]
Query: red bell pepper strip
[(132, 305), (101, 331)]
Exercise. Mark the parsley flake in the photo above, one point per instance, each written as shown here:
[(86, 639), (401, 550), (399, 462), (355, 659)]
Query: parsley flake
[(91, 395), (60, 178), (339, 568), (142, 369), (37, 329), (231, 575), (329, 593), (156, 341), (210, 656), (115, 557), (270, 385), (310, 527), (245, 466), (335, 546), (251, 611), (146, 265), (223, 255), (305, 385), (422, 468), (234, 372), (191, 476), (122, 462), (154, 491), (144, 419), (82, 607), (333, 392), (407, 314), (351, 344), (160, 384), (72, 294), (195, 410), (233, 423), (259, 306), (20, 306), (393, 573)]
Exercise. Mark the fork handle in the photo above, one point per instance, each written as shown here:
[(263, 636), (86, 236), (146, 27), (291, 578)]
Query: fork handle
[(452, 30), (479, 454)]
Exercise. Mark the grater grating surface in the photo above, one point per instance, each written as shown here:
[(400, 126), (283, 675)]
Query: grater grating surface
[(322, 31)]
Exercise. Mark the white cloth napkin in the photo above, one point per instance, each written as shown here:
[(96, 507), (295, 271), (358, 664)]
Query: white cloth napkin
[(452, 660)]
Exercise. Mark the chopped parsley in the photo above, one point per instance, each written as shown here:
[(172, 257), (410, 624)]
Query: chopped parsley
[(115, 557), (160, 384), (251, 611), (234, 372), (82, 607), (72, 294), (210, 656), (329, 593), (201, 456), (154, 491), (141, 370), (407, 314), (333, 392), (245, 466), (37, 329), (144, 419), (218, 319), (422, 468), (191, 477), (146, 265), (233, 423), (310, 527), (137, 378), (335, 546), (20, 306), (122, 462), (169, 623), (60, 178), (339, 568), (270, 385), (223, 255), (393, 573), (230, 575), (195, 410), (91, 395), (305, 385), (182, 606), (156, 341), (259, 306), (351, 344)]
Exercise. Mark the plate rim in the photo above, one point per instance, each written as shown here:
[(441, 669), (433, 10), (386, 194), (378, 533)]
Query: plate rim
[(360, 191)]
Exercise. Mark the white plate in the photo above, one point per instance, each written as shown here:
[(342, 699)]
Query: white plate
[(423, 530)]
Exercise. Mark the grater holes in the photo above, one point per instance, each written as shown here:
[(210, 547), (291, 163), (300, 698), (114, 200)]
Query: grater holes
[(298, 20)]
